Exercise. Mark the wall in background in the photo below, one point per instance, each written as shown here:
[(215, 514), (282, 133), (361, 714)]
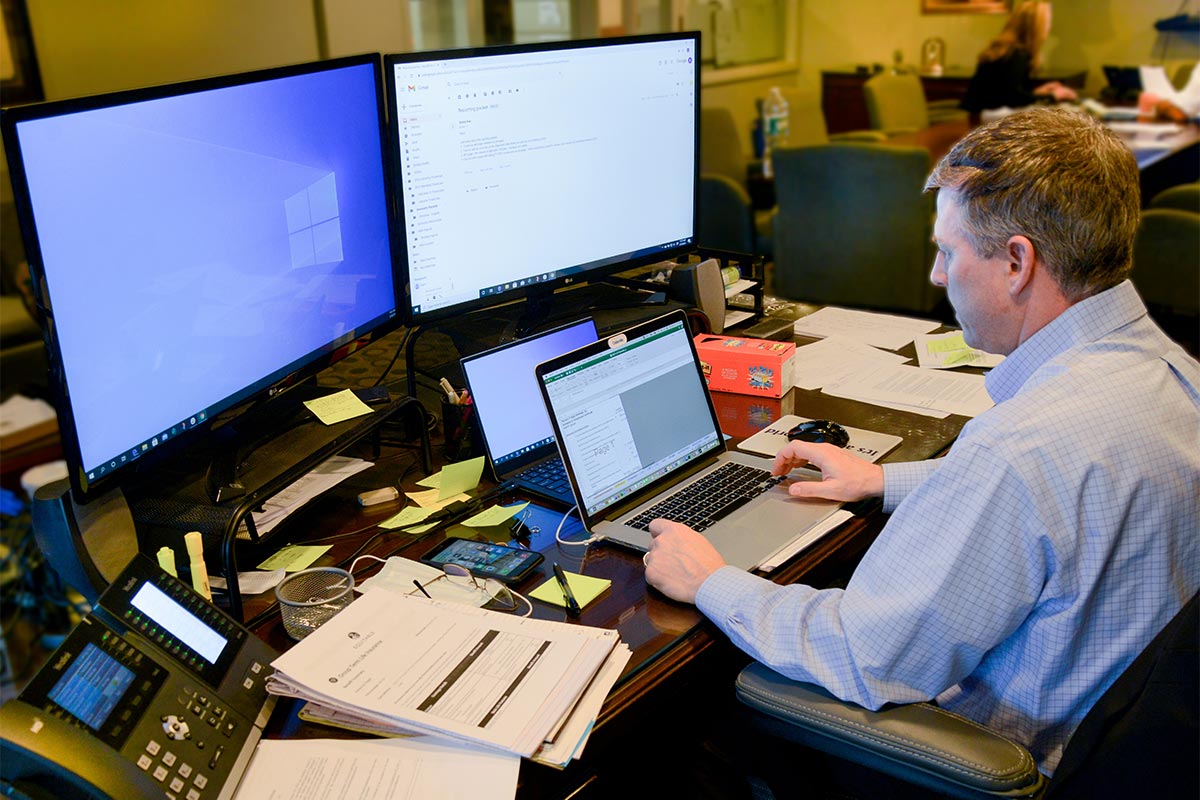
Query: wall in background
[(1085, 34), (85, 47)]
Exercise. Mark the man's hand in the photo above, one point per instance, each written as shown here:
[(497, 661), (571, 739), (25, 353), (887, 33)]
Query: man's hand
[(845, 476), (679, 560)]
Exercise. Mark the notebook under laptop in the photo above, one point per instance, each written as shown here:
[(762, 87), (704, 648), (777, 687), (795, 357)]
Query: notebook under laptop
[(635, 425), (517, 434)]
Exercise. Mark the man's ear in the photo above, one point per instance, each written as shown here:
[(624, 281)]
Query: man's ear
[(1021, 264)]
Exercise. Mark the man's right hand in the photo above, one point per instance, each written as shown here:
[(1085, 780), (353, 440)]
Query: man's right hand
[(845, 476)]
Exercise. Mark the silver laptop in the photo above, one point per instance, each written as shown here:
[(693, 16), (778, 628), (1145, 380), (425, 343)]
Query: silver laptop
[(516, 432), (635, 426)]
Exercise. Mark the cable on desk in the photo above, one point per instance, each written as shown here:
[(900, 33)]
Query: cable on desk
[(558, 531)]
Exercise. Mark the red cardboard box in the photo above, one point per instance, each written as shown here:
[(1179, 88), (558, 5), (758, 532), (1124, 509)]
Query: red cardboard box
[(747, 366)]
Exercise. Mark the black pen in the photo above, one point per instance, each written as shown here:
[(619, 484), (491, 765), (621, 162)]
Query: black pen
[(572, 605)]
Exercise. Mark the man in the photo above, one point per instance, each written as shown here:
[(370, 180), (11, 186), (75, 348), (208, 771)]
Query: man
[(1018, 576)]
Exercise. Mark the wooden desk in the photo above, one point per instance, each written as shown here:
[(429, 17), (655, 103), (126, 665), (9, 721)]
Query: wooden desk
[(678, 657)]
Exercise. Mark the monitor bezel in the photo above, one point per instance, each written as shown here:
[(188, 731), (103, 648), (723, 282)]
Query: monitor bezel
[(543, 290), (269, 386)]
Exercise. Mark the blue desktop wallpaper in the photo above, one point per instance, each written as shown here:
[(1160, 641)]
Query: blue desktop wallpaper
[(196, 244)]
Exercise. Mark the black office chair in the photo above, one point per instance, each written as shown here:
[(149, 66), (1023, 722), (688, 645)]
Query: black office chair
[(1141, 739)]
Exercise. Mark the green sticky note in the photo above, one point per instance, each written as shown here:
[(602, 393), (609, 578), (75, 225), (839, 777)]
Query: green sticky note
[(584, 587), (295, 557), (337, 407), (433, 481), (460, 477), (494, 515)]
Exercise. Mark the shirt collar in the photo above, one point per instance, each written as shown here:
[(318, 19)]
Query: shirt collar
[(1085, 321)]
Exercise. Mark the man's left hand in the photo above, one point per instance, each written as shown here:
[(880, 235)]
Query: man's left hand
[(679, 560)]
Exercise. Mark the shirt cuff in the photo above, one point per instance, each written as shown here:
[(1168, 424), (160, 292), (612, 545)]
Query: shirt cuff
[(901, 478), (717, 594)]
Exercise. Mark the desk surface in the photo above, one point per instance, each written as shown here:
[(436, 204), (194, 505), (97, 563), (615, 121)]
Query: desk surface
[(673, 646)]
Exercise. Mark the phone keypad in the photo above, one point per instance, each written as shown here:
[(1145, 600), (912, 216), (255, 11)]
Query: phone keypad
[(183, 779)]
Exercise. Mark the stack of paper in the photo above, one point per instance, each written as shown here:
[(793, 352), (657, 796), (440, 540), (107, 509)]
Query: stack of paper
[(325, 476), (393, 663)]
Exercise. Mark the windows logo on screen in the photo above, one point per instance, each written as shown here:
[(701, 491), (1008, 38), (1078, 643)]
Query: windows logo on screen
[(314, 229)]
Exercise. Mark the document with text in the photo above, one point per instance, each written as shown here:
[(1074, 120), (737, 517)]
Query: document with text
[(446, 669), (373, 769)]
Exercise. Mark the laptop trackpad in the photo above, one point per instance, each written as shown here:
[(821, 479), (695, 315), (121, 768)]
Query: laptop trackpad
[(749, 536)]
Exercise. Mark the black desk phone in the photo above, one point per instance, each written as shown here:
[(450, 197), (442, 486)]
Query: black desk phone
[(155, 693)]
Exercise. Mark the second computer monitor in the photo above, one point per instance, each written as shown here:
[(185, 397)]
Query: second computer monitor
[(527, 168)]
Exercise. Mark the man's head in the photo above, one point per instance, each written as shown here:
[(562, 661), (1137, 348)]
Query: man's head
[(1039, 203)]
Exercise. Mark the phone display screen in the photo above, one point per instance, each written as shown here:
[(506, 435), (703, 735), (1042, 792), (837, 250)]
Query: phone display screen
[(485, 558), (92, 686)]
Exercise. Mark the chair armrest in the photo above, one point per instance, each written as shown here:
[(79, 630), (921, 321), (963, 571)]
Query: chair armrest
[(919, 743), (858, 136)]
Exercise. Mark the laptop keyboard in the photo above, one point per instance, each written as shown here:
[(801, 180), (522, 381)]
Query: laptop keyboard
[(699, 505), (550, 474)]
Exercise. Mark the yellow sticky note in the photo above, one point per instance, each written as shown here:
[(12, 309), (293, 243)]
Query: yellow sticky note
[(337, 407), (948, 343), (433, 481), (494, 515), (584, 587), (406, 518), (431, 500), (462, 476), (295, 557)]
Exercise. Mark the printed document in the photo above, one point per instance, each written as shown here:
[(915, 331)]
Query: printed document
[(939, 391), (878, 330), (377, 769), (446, 669)]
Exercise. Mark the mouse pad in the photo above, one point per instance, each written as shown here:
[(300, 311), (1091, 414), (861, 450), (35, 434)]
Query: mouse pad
[(866, 444)]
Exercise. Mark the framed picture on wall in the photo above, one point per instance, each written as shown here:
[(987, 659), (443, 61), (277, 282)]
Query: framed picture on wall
[(20, 81), (966, 6)]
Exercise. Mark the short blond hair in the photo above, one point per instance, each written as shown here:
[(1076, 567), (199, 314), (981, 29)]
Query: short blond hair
[(1057, 177)]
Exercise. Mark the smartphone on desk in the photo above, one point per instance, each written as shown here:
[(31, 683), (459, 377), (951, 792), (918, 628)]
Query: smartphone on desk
[(485, 559)]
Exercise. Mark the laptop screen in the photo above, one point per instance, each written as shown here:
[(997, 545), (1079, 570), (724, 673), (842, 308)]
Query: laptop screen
[(508, 403), (631, 412)]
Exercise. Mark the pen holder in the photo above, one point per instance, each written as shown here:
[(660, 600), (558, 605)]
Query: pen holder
[(463, 438), (309, 598)]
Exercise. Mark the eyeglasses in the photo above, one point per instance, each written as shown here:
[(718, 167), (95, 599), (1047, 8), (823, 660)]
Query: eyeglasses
[(500, 597)]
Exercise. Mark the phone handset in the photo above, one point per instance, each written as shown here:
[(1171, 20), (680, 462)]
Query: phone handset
[(32, 749)]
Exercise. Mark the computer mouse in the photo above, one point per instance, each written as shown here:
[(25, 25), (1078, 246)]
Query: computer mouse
[(819, 431)]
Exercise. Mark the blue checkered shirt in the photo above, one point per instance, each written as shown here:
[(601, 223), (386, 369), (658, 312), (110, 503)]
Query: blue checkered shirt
[(1021, 574)]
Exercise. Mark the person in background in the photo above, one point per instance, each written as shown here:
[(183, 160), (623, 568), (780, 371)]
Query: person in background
[(1003, 76), (1021, 574)]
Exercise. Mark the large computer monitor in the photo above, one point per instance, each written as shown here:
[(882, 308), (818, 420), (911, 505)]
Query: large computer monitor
[(200, 245), (523, 169)]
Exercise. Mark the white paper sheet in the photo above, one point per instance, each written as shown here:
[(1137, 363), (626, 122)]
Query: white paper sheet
[(376, 769), (836, 358), (921, 388), (878, 330)]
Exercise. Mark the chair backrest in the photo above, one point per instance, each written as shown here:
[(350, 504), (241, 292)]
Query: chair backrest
[(806, 118), (721, 146), (852, 226), (1166, 259), (1183, 197), (896, 103), (1141, 737), (726, 219)]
